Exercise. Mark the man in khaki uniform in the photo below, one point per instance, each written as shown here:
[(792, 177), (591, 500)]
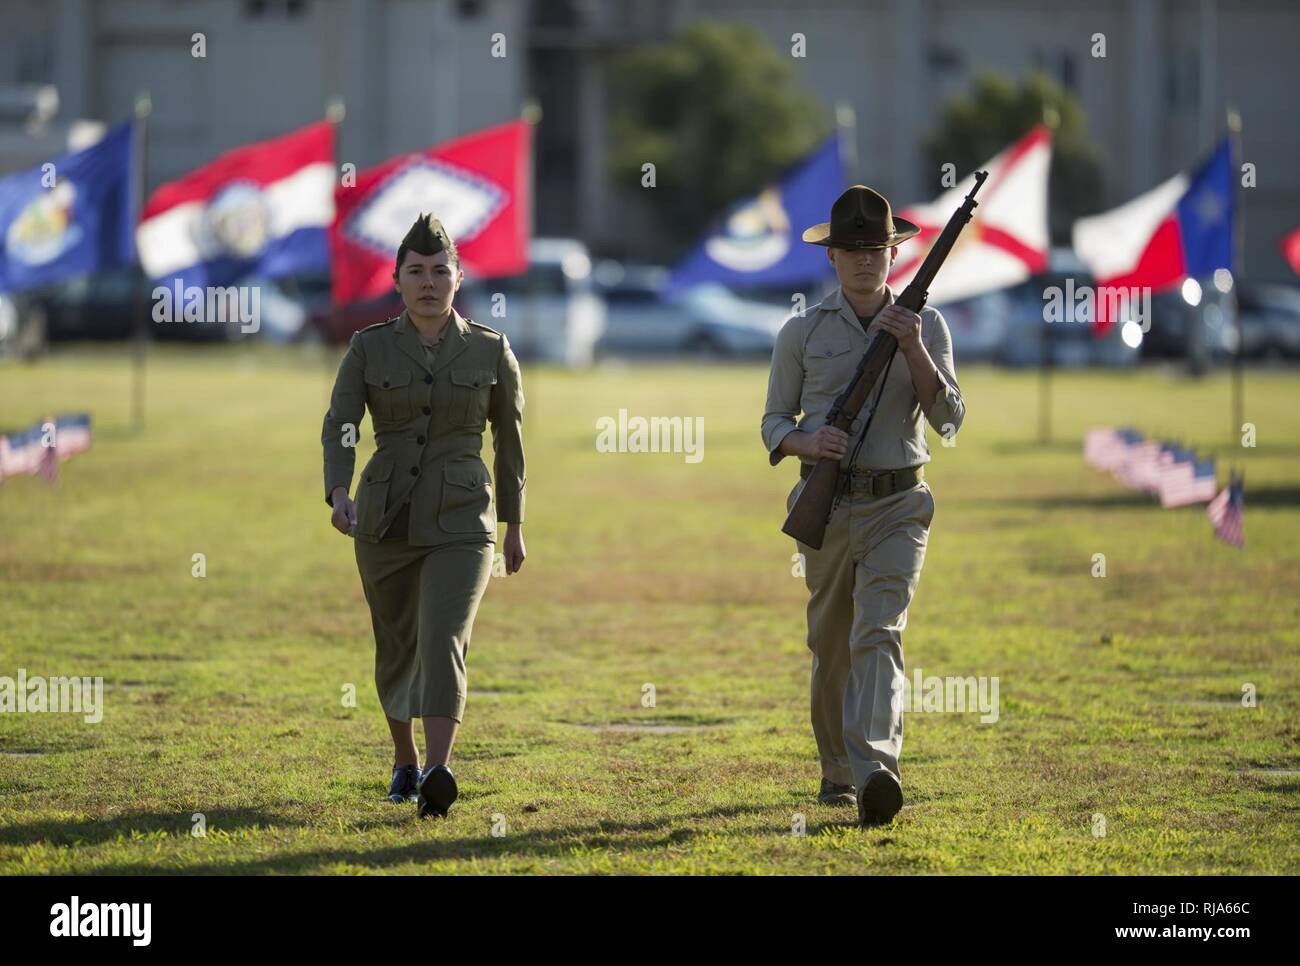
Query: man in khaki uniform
[(424, 519), (862, 579)]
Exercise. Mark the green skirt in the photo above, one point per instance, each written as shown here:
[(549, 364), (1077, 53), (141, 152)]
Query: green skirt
[(422, 606)]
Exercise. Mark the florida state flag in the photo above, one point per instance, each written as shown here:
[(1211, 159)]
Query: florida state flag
[(476, 185), (1006, 240)]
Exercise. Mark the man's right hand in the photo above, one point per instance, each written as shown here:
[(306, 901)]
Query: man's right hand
[(826, 443), (344, 516)]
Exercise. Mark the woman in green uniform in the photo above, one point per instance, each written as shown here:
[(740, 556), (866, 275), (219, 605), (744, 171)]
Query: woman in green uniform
[(424, 519)]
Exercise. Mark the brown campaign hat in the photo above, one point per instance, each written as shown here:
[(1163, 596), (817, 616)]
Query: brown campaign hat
[(861, 218)]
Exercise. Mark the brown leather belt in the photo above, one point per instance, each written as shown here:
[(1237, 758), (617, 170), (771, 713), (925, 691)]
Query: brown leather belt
[(875, 483)]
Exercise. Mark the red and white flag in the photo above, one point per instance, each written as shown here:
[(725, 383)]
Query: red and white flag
[(476, 185), (1007, 238), (1180, 229), (261, 209)]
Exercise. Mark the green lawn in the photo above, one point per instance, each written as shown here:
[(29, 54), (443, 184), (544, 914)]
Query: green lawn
[(1120, 696)]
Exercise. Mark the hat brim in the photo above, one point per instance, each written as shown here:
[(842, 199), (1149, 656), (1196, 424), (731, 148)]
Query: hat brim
[(903, 230)]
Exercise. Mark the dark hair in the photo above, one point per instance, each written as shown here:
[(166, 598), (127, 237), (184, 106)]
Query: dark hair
[(453, 256)]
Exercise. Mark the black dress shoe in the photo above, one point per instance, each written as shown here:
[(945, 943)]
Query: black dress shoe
[(437, 791), (405, 786), (834, 794), (880, 799)]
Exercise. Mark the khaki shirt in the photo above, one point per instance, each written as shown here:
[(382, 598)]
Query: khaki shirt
[(817, 355), (428, 410)]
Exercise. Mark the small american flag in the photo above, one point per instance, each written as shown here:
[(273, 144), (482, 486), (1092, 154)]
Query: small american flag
[(34, 451), (72, 435), (1139, 468), (1188, 482), (49, 463), (1101, 447), (1226, 511)]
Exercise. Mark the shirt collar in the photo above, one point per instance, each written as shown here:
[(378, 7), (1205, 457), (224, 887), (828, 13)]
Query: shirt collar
[(840, 303)]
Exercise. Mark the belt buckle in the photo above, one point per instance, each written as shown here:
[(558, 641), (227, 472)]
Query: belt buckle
[(887, 478)]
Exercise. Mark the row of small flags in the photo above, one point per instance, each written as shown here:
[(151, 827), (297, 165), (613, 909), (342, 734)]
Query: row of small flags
[(39, 449), (1170, 471)]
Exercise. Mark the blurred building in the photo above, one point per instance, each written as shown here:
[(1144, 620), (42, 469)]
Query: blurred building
[(413, 72)]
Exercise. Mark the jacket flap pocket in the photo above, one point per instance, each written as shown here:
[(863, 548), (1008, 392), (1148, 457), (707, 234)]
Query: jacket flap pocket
[(473, 378), (828, 348), (389, 379), (466, 474), (378, 470)]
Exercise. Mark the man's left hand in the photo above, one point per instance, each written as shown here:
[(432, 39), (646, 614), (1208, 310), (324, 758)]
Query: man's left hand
[(903, 325)]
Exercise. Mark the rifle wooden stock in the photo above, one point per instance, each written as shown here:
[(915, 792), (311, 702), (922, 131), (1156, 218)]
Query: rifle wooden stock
[(811, 511)]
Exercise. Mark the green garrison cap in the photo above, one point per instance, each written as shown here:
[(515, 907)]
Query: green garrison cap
[(427, 236)]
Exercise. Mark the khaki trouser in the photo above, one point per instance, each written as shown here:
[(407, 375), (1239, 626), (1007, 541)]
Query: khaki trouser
[(861, 583), (422, 606)]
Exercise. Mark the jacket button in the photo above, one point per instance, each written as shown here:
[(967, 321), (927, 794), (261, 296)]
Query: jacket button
[(419, 440), (385, 383), (427, 410), (415, 471), (428, 380)]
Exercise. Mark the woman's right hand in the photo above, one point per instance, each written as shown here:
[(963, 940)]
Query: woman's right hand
[(344, 516)]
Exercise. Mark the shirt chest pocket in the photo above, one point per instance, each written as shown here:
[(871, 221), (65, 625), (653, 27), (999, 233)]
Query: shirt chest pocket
[(471, 394), (388, 392), (829, 364)]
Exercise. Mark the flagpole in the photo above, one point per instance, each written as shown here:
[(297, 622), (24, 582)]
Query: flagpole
[(531, 113), (335, 111), (846, 124), (140, 330), (1052, 119), (1238, 259)]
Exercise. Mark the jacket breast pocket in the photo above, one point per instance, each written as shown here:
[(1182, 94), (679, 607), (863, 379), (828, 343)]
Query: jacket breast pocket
[(372, 494), (388, 391), (466, 499), (471, 394), (828, 365)]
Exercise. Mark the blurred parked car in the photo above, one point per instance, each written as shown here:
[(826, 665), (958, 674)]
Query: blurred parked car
[(643, 318), (1269, 318), (336, 324), (723, 322), (1269, 323), (1071, 344), (104, 305), (638, 318), (9, 326), (978, 326), (551, 312)]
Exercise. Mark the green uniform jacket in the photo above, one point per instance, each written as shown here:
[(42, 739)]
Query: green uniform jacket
[(428, 425)]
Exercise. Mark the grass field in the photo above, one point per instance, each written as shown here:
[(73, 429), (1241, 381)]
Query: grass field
[(1120, 696)]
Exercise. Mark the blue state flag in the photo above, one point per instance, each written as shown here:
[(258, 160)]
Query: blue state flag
[(1205, 216), (757, 242), (69, 219)]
